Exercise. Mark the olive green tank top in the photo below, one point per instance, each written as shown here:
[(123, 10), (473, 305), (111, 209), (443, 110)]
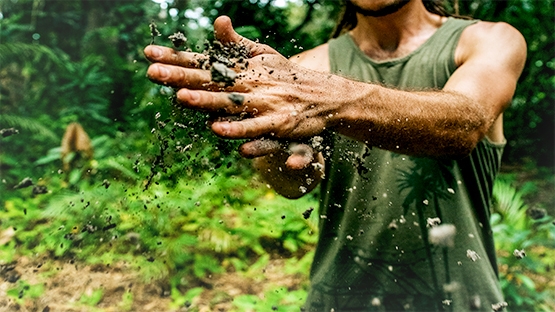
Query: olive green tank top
[(400, 232)]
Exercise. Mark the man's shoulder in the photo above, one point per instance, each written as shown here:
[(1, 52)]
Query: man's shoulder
[(489, 36), (488, 30), (315, 59)]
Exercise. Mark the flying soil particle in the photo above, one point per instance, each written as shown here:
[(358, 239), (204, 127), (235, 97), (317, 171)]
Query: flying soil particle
[(109, 227), (472, 255), (316, 143), (499, 306), (536, 213), (39, 189), (519, 254), (306, 213), (178, 39), (106, 183), (26, 182), (393, 225), (153, 31), (8, 132), (442, 235), (431, 222)]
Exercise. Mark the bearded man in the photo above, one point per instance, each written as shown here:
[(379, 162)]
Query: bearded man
[(399, 120)]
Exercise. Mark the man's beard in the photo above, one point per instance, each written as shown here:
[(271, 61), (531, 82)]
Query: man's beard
[(389, 9)]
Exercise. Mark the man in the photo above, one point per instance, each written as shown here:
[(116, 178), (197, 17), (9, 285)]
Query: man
[(409, 105)]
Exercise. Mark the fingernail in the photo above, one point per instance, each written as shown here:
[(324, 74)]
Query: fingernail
[(224, 128), (194, 96), (163, 72), (155, 52)]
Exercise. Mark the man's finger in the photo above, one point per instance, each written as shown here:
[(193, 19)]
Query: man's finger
[(260, 147), (302, 156), (179, 77), (247, 128), (217, 102), (169, 56), (298, 162)]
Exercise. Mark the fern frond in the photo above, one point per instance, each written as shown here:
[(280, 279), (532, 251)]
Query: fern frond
[(29, 124), (23, 52), (509, 203)]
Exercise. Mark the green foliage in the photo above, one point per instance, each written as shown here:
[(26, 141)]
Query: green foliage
[(276, 299), (23, 291), (180, 233), (515, 230), (529, 122), (126, 303), (162, 193), (94, 298)]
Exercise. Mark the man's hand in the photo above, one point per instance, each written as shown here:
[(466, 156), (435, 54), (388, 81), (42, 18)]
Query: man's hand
[(262, 93)]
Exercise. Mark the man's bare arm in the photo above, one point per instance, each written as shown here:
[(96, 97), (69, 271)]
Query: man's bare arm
[(288, 101)]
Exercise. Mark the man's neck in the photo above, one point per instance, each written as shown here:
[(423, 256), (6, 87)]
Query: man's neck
[(397, 34)]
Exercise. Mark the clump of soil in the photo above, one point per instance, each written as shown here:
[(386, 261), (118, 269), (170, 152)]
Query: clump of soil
[(178, 39), (153, 32), (236, 98), (308, 212), (222, 58), (222, 74), (230, 54), (8, 132)]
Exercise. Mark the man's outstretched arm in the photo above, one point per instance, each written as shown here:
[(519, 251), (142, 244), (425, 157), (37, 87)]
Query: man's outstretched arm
[(285, 100)]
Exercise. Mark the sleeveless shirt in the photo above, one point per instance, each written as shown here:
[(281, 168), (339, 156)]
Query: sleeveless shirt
[(387, 219)]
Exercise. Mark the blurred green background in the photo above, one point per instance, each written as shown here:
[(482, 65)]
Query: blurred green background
[(164, 199)]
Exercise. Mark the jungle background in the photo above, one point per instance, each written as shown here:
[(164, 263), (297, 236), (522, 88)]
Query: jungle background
[(148, 211)]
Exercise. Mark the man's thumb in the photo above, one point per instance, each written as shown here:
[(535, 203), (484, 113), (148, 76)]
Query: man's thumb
[(224, 32)]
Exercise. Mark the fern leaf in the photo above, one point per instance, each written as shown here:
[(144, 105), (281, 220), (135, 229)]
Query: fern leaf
[(23, 52), (29, 124)]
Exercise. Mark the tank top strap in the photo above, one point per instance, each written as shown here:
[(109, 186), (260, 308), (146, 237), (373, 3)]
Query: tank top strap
[(344, 50)]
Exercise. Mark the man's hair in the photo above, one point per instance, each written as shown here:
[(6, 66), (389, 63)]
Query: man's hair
[(348, 19)]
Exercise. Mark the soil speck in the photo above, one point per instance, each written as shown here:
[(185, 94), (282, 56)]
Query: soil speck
[(221, 73), (236, 98), (306, 213), (8, 132), (178, 39), (519, 254), (26, 182)]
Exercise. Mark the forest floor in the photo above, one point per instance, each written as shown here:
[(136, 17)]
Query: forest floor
[(71, 287), (74, 286)]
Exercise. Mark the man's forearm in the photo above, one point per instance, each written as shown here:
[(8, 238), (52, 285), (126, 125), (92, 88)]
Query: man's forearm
[(431, 123)]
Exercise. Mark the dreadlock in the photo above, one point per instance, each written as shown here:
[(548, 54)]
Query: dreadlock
[(348, 19)]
